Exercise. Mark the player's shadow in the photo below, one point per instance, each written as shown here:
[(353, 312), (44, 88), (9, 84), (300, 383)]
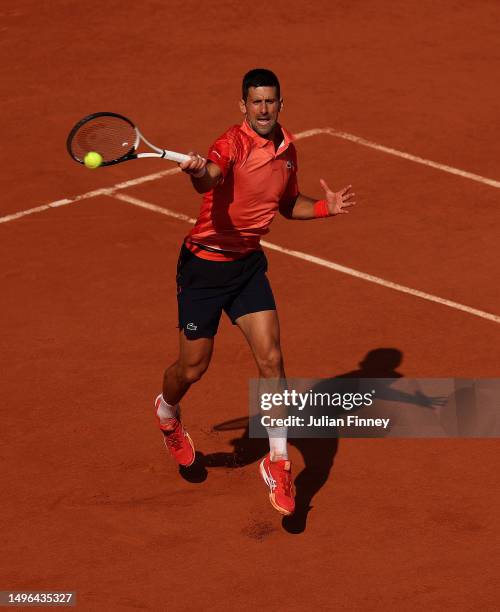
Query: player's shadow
[(197, 472), (318, 453), (379, 373)]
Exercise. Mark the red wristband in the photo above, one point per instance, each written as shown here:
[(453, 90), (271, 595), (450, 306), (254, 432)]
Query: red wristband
[(321, 209)]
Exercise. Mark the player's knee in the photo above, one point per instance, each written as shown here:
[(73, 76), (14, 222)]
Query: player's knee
[(271, 364), (192, 374)]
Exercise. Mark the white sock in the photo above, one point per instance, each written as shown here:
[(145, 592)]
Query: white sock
[(277, 442), (165, 411)]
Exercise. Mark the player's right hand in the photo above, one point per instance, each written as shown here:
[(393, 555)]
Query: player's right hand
[(195, 166)]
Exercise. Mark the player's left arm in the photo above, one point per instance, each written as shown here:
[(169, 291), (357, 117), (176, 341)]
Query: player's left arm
[(334, 203)]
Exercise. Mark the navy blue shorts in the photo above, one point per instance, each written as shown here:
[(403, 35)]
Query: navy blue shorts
[(205, 288)]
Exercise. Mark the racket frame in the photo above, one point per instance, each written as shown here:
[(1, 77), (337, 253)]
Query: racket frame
[(132, 152)]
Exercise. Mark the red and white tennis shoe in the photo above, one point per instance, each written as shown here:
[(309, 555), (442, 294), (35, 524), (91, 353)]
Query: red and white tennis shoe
[(278, 477), (177, 440)]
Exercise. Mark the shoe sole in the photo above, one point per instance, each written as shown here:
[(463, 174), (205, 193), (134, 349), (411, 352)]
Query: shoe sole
[(192, 446), (263, 473)]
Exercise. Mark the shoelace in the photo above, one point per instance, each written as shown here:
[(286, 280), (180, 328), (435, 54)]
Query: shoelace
[(285, 480), (174, 438)]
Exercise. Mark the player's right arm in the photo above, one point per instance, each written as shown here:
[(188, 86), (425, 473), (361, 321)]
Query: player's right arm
[(205, 175), (210, 172)]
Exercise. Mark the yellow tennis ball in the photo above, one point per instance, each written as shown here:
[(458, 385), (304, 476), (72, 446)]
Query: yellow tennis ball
[(92, 160)]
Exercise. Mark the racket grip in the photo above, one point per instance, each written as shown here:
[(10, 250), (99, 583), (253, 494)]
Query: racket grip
[(176, 157)]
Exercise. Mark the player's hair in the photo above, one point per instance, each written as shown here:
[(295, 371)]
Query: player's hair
[(259, 77)]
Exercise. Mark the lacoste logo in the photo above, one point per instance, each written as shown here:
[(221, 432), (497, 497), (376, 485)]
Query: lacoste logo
[(191, 326)]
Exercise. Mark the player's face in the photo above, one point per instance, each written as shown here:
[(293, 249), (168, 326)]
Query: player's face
[(261, 109)]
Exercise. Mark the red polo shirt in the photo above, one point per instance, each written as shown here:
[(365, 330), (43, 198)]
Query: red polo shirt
[(257, 180)]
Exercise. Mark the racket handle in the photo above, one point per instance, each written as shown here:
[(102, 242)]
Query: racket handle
[(176, 157)]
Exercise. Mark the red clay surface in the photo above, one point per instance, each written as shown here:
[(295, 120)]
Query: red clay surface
[(90, 501)]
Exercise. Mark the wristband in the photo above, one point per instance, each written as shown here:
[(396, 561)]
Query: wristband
[(320, 209)]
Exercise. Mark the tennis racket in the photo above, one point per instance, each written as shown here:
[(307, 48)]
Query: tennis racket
[(115, 138)]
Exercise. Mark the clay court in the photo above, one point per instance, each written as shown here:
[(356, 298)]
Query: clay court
[(398, 98)]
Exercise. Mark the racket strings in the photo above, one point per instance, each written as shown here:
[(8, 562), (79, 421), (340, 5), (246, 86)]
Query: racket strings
[(111, 137)]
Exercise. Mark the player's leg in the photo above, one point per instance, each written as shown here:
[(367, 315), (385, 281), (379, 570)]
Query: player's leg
[(194, 359), (254, 311), (261, 329), (199, 310), (262, 332), (200, 301)]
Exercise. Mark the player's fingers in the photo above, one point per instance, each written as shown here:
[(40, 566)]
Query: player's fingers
[(185, 165), (348, 196), (346, 189), (199, 162), (195, 164)]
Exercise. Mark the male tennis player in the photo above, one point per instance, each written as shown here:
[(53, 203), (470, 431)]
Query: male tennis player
[(250, 173)]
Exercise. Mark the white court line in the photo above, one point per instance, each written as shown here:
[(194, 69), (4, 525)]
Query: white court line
[(110, 190), (31, 211), (408, 156), (159, 209), (298, 136), (325, 263), (414, 158), (92, 194)]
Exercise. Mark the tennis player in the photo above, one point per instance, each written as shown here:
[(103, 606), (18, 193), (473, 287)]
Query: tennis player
[(250, 174)]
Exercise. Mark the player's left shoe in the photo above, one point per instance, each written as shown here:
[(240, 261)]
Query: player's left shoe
[(278, 477)]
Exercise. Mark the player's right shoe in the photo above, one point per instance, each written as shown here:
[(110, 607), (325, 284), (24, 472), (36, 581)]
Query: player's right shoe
[(177, 440)]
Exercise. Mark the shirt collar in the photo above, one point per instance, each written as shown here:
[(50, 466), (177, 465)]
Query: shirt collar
[(262, 142)]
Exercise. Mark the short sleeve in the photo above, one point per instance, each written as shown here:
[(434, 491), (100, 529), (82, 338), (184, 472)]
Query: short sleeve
[(223, 152)]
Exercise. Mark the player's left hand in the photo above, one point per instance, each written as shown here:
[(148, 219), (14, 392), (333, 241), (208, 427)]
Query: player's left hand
[(338, 201), (430, 401)]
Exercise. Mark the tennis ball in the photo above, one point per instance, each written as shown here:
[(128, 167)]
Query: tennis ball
[(92, 160)]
